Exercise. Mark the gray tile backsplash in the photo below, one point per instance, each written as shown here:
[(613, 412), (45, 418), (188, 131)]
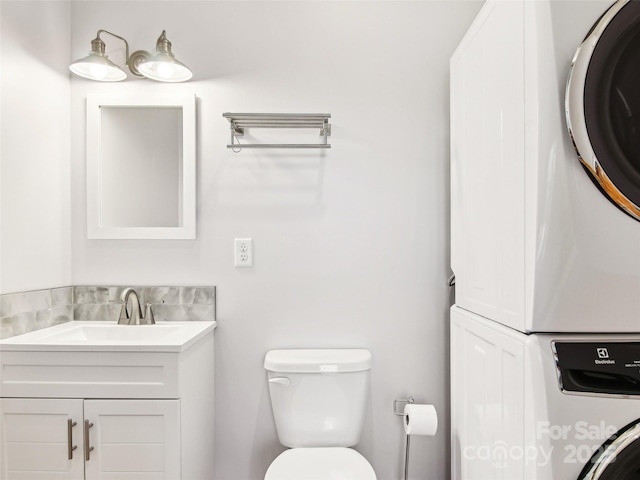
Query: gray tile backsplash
[(167, 303), (27, 311)]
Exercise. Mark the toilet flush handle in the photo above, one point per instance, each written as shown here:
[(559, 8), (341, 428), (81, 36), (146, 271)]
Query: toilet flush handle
[(284, 381)]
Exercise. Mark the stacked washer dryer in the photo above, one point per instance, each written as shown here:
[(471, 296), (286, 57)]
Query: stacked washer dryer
[(545, 223)]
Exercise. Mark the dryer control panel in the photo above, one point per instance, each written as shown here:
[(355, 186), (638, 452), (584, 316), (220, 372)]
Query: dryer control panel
[(607, 368)]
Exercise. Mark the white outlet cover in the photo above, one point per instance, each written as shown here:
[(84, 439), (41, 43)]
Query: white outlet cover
[(243, 252)]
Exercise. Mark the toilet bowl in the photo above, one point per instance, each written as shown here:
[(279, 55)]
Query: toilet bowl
[(323, 463), (319, 399)]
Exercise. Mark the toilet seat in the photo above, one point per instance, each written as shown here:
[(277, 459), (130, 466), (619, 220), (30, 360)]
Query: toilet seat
[(322, 463)]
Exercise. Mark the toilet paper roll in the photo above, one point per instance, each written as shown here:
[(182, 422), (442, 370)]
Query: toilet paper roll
[(420, 419)]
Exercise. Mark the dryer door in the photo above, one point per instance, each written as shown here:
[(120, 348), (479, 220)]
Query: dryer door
[(602, 105), (618, 458)]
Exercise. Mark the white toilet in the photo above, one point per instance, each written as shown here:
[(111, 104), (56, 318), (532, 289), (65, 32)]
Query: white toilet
[(319, 399)]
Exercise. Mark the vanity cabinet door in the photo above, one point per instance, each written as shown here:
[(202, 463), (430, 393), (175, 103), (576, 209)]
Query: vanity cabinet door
[(133, 439), (37, 437)]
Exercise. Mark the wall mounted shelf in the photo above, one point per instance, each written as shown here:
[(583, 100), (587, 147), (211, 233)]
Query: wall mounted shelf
[(240, 121)]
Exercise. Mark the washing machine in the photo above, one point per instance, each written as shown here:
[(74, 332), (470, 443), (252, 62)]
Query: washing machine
[(545, 194), (543, 406)]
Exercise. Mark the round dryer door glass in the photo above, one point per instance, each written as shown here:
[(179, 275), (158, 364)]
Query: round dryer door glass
[(603, 105), (617, 459)]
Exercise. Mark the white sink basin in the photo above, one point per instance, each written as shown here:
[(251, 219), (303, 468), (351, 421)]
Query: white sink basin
[(82, 336), (111, 333)]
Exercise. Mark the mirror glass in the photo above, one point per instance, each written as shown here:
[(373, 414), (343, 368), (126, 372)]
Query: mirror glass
[(141, 166)]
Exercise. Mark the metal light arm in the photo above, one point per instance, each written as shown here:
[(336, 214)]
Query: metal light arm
[(131, 60), (98, 42)]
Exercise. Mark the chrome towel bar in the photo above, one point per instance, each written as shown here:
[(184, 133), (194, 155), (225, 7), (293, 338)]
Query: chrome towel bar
[(239, 121)]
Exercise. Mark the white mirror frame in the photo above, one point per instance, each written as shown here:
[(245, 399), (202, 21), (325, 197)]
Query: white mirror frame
[(95, 229)]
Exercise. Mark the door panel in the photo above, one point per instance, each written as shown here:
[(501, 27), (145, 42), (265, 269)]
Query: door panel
[(488, 165), (487, 388), (133, 439), (35, 439)]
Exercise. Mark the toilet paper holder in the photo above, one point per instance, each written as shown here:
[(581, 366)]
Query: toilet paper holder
[(403, 401), (399, 411)]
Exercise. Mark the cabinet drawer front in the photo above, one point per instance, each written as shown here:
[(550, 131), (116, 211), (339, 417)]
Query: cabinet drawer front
[(86, 375)]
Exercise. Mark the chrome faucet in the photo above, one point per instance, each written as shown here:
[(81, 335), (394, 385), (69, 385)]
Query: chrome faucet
[(135, 317)]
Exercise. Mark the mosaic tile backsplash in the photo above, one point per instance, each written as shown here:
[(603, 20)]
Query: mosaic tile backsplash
[(27, 311)]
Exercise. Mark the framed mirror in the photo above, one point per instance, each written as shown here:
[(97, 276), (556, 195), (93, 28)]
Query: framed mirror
[(141, 166)]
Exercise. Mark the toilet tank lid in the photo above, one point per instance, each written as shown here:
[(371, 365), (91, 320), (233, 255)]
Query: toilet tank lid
[(318, 360)]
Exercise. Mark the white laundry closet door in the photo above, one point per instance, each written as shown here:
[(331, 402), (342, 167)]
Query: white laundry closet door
[(487, 165), (487, 392), (132, 439)]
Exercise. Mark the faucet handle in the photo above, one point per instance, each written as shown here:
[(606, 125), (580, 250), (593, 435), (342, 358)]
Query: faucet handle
[(148, 315)]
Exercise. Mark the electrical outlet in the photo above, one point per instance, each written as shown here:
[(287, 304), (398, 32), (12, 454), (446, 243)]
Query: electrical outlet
[(243, 252)]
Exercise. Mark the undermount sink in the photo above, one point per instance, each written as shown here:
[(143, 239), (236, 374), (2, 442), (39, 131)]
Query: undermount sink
[(82, 335), (110, 333)]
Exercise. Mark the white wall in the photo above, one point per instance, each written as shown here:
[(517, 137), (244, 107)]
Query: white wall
[(34, 151), (351, 245)]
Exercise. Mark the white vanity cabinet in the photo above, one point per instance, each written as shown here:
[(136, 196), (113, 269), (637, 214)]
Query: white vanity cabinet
[(108, 412)]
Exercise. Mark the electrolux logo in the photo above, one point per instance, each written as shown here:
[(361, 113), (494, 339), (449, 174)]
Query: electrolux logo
[(603, 356)]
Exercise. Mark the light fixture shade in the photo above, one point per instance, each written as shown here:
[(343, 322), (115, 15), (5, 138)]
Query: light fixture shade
[(165, 69), (163, 66), (97, 66)]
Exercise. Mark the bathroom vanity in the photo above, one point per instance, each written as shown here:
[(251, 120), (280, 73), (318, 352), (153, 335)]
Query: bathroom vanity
[(97, 400)]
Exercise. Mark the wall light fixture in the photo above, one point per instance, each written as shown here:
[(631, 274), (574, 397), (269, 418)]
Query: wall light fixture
[(163, 66)]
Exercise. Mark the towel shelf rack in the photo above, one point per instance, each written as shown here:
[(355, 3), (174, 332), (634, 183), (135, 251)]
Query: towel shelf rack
[(238, 122)]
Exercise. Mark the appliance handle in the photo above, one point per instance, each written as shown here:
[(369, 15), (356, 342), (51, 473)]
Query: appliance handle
[(284, 381)]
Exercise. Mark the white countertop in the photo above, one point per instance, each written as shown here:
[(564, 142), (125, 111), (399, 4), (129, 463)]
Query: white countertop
[(82, 336)]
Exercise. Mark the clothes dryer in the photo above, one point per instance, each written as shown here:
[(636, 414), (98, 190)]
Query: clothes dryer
[(535, 244)]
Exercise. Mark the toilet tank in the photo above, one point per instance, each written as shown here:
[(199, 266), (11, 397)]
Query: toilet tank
[(318, 396)]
